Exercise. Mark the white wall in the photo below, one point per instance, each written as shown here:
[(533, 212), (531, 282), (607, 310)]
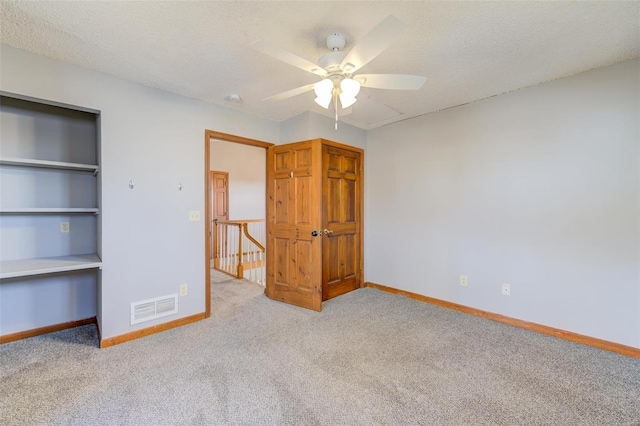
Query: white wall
[(311, 125), (539, 188), (155, 139), (247, 170), (296, 128)]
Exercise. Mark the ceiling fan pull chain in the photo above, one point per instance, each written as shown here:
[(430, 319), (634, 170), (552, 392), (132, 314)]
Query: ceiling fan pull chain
[(335, 106)]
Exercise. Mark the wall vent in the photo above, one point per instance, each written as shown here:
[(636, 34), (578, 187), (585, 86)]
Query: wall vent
[(150, 309)]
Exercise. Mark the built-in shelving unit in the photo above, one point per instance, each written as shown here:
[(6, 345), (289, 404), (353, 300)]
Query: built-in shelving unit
[(49, 210), (27, 162), (48, 265)]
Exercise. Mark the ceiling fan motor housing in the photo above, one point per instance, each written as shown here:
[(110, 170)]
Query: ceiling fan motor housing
[(331, 61), (336, 41)]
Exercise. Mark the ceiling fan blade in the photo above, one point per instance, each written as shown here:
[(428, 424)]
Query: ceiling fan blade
[(285, 56), (290, 93), (376, 41), (391, 81)]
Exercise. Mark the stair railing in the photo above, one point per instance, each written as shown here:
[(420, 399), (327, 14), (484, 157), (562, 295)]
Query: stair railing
[(240, 248)]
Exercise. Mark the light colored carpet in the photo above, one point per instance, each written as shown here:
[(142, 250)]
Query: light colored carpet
[(368, 358)]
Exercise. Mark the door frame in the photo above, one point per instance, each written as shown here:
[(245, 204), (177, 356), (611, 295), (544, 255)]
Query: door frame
[(210, 135)]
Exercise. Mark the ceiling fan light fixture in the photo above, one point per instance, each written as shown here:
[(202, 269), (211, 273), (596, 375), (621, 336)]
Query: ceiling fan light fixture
[(324, 90), (350, 87), (323, 101), (346, 101)]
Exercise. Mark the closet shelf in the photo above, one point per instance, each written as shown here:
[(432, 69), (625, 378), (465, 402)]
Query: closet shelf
[(45, 164), (49, 210), (48, 265)]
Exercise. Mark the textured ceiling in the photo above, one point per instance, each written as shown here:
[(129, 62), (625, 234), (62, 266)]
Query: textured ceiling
[(467, 50)]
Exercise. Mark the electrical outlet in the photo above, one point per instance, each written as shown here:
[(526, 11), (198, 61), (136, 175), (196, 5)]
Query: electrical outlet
[(194, 215), (464, 280), (506, 290), (184, 289), (64, 227)]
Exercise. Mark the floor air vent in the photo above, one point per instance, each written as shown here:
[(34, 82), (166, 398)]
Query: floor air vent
[(147, 310)]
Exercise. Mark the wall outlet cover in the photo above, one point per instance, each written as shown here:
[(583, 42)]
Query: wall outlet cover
[(64, 227), (464, 281)]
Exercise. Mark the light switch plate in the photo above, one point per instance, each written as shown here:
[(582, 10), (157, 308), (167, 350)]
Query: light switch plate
[(64, 227), (194, 215)]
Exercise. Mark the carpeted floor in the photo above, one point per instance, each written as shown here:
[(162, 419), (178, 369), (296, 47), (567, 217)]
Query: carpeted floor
[(368, 358)]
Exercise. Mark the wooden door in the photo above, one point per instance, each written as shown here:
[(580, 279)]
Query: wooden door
[(219, 187), (294, 190), (341, 221)]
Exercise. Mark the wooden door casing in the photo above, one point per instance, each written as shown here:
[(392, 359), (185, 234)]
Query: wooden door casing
[(294, 190), (341, 220)]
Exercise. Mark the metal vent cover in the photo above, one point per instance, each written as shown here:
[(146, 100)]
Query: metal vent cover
[(150, 309)]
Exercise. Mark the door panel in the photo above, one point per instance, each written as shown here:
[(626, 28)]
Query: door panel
[(341, 217), (281, 258), (294, 207), (282, 191)]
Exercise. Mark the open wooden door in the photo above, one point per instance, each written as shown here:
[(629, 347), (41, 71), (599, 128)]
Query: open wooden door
[(341, 220), (294, 207)]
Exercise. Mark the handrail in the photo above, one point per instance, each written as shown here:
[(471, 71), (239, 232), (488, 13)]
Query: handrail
[(236, 222), (253, 240)]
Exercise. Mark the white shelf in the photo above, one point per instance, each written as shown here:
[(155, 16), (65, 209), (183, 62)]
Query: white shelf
[(48, 210), (45, 164), (48, 265)]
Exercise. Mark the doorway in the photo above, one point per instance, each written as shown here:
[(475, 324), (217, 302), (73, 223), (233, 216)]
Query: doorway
[(210, 136)]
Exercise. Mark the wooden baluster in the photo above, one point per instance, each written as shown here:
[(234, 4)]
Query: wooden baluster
[(240, 271), (216, 257), (223, 238), (227, 237), (232, 251), (220, 248)]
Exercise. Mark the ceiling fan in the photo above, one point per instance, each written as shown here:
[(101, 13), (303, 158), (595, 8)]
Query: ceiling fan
[(338, 68)]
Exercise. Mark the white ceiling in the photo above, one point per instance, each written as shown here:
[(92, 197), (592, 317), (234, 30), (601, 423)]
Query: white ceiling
[(467, 50)]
